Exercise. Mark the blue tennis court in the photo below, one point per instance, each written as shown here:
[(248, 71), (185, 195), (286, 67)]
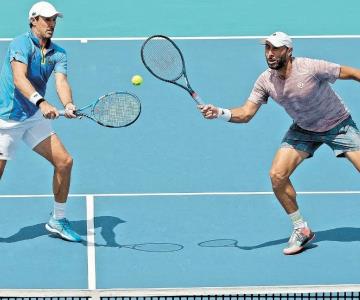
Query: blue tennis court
[(176, 201)]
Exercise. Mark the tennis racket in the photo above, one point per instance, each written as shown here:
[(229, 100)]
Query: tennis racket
[(117, 109), (163, 58)]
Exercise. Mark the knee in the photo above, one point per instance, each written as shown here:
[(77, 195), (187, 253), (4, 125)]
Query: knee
[(64, 164), (2, 167), (278, 178)]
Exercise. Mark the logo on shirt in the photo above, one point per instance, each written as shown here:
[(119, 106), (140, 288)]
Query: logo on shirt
[(50, 61), (300, 85)]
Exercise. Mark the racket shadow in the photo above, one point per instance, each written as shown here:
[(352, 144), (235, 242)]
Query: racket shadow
[(224, 243), (107, 225), (342, 235), (149, 247)]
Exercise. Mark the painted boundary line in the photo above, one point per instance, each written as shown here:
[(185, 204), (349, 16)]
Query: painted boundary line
[(249, 37), (182, 194), (90, 242)]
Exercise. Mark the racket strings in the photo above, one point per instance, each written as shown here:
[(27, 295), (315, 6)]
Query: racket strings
[(163, 59), (117, 109)]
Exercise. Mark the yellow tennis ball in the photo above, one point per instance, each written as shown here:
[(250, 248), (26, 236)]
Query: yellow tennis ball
[(137, 80)]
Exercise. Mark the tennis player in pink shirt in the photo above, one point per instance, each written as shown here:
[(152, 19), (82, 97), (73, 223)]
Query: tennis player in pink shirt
[(302, 87)]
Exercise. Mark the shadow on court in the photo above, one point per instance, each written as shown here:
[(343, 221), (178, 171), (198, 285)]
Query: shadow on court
[(107, 225), (343, 234)]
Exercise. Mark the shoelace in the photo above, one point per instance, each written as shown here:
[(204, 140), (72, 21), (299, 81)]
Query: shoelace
[(297, 235)]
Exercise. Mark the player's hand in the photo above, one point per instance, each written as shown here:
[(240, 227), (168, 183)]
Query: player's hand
[(48, 111), (69, 110), (209, 111)]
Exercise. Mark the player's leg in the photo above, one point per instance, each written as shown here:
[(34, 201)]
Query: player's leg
[(285, 162), (41, 138), (54, 151), (297, 145), (2, 167), (354, 157)]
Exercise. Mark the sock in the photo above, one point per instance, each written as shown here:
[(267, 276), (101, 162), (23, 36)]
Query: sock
[(59, 210), (297, 220)]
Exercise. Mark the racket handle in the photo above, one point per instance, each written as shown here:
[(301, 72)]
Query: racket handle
[(197, 98), (62, 112)]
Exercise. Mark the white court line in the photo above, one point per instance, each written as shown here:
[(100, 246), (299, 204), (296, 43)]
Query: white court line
[(184, 194), (90, 242), (245, 37)]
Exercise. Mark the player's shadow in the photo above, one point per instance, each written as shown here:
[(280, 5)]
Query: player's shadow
[(106, 224), (342, 234)]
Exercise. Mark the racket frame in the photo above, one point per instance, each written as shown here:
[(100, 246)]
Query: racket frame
[(183, 74), (79, 112)]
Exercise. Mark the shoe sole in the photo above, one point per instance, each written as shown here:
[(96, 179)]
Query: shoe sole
[(53, 230), (299, 249)]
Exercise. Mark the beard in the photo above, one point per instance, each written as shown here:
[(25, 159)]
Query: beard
[(278, 63)]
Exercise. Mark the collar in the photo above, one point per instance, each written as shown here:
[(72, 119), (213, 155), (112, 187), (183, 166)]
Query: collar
[(49, 45)]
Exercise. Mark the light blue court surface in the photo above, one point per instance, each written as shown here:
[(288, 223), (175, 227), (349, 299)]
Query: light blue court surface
[(184, 241), (224, 244), (191, 203)]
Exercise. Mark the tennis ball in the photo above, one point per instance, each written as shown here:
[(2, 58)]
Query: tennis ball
[(137, 80)]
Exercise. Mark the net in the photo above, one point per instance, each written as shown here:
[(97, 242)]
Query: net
[(301, 296), (339, 292), (325, 296)]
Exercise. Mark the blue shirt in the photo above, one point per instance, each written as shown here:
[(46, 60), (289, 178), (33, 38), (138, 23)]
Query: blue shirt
[(26, 49)]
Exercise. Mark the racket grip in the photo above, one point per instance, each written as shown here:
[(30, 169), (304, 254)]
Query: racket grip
[(197, 98), (62, 112)]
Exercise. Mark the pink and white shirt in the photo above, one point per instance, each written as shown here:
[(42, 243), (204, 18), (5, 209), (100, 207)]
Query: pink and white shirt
[(306, 94)]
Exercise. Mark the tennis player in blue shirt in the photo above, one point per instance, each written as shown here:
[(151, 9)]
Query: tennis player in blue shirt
[(26, 115)]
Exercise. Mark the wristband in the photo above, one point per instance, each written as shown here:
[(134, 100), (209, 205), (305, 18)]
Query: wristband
[(224, 114), (39, 101), (36, 98)]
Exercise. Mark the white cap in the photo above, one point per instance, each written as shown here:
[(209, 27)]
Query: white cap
[(279, 39), (44, 9)]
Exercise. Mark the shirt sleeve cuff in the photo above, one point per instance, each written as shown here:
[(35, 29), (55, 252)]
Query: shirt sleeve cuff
[(18, 57)]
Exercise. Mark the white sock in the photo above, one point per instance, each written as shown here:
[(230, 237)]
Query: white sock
[(59, 210), (297, 220)]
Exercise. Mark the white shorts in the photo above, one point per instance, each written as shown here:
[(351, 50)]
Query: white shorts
[(32, 131)]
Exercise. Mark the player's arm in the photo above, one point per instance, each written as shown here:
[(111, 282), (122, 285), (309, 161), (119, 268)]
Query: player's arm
[(21, 81), (241, 114), (65, 94), (23, 84), (347, 72)]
